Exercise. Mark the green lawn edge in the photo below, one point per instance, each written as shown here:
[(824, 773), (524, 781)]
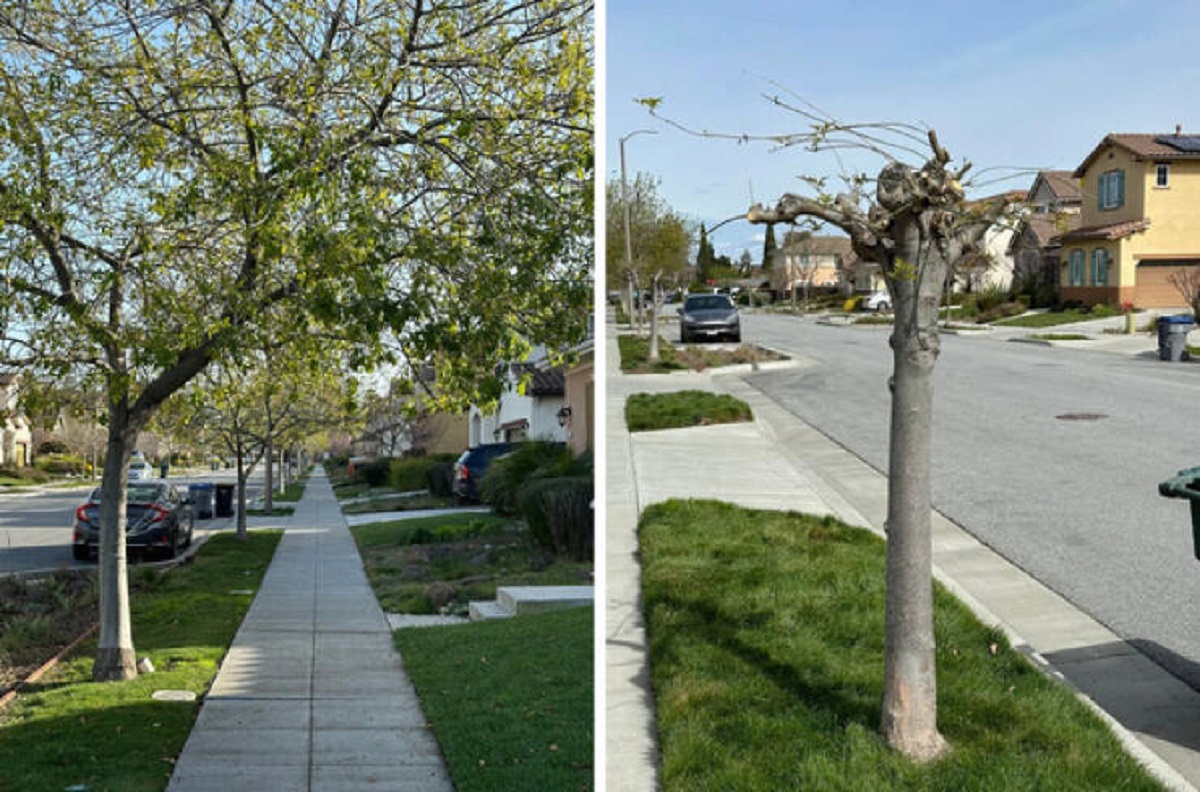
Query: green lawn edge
[(681, 409), (765, 633), (510, 701), (66, 730)]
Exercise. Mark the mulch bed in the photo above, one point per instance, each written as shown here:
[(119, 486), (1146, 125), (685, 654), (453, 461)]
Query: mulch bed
[(38, 618)]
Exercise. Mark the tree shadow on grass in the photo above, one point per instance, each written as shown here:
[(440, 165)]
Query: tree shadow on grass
[(809, 683)]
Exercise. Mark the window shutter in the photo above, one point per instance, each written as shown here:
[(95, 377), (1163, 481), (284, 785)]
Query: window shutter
[(1120, 188)]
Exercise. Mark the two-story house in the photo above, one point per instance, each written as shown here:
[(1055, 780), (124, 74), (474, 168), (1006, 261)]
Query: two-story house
[(1140, 221), (1055, 202), (817, 262), (529, 408), (16, 439)]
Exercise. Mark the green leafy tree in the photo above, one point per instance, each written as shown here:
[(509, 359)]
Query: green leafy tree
[(659, 242), (768, 254), (706, 258), (176, 176)]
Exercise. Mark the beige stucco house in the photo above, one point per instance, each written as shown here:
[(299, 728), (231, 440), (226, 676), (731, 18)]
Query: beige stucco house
[(16, 439), (1139, 224)]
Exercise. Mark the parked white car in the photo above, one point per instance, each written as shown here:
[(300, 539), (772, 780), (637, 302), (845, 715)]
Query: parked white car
[(140, 470), (878, 301)]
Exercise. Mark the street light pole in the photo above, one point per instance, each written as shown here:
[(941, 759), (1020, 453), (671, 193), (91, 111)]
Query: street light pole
[(625, 206)]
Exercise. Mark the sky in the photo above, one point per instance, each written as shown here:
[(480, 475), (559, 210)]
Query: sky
[(1012, 86)]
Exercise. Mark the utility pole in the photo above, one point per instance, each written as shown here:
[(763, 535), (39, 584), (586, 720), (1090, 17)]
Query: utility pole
[(633, 302)]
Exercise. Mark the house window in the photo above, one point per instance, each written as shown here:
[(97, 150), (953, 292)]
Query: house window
[(1112, 189), (1076, 275), (1162, 175), (1099, 267)]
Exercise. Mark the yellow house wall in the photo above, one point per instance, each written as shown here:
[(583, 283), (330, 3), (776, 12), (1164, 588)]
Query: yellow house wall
[(1115, 158), (1173, 213)]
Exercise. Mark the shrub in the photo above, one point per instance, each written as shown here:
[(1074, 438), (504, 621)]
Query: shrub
[(559, 514), (408, 474), (852, 304), (53, 447), (375, 473), (991, 297), (507, 475), (61, 464), (439, 479)]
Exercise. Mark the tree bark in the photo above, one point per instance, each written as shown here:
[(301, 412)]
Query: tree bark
[(653, 354), (116, 658), (909, 717), (241, 493)]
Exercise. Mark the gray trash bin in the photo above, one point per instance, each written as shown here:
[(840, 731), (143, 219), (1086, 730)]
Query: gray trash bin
[(202, 500), (1172, 336)]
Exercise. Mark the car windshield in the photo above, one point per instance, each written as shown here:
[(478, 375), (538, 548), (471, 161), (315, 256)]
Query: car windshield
[(134, 493), (708, 302)]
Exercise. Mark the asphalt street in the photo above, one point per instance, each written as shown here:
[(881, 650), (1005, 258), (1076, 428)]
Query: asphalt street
[(1050, 456), (35, 526)]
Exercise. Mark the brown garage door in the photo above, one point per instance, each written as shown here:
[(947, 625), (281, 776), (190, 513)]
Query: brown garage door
[(1154, 289)]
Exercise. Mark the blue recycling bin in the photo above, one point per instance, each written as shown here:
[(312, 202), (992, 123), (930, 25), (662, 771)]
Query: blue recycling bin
[(202, 500)]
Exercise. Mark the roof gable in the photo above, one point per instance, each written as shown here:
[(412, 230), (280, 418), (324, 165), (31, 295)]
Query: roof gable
[(1142, 146)]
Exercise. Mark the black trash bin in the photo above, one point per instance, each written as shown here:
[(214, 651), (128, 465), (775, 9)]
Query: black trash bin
[(202, 500), (224, 493), (1172, 336)]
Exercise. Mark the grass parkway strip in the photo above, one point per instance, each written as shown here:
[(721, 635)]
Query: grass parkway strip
[(766, 634), (67, 732)]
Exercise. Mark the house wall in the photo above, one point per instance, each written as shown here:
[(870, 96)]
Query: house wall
[(448, 434), (1134, 208), (541, 413), (16, 439), (580, 396)]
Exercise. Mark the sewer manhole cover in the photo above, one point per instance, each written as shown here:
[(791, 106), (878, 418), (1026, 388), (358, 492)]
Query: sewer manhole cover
[(1081, 416)]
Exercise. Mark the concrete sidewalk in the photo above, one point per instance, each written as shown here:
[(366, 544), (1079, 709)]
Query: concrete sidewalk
[(312, 695), (779, 462)]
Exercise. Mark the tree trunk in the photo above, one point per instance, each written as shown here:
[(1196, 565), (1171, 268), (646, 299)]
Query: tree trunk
[(116, 657), (909, 718), (653, 354), (269, 475), (241, 493)]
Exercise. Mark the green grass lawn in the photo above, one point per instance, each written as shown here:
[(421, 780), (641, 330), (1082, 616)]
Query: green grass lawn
[(393, 502), (649, 411), (69, 732), (766, 638), (635, 355), (1053, 318), (510, 701)]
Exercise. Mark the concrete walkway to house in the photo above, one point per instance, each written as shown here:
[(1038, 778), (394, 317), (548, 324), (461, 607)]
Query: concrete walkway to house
[(312, 696), (779, 462)]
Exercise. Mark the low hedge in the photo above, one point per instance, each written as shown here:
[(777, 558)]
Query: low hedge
[(560, 516)]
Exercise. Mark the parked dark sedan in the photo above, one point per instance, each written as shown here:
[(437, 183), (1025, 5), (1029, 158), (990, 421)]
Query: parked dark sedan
[(709, 316), (472, 464), (158, 520)]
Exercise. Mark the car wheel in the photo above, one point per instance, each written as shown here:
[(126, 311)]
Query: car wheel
[(737, 337), (683, 337), (883, 307), (81, 552)]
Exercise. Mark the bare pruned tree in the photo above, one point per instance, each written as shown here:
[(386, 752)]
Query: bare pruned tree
[(915, 226), (1187, 283)]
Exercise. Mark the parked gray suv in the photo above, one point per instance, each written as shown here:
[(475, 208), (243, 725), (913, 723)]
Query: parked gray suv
[(709, 316)]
